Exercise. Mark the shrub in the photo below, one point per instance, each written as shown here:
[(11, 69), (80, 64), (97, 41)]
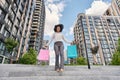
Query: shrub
[(116, 55), (116, 58), (29, 57), (81, 61)]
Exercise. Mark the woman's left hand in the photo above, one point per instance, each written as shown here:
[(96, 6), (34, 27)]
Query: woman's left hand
[(76, 42)]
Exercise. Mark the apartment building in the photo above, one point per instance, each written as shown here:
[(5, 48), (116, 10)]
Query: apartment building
[(37, 28), (102, 31), (114, 9), (15, 21)]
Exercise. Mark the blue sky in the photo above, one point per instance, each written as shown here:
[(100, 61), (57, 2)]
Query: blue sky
[(71, 11), (66, 11)]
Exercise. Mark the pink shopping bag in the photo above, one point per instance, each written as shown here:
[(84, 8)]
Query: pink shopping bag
[(43, 55)]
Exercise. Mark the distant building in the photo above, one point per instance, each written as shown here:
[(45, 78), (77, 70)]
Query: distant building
[(44, 43), (37, 28)]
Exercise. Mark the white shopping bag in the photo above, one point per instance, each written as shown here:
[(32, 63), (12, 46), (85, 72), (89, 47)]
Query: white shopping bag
[(52, 58)]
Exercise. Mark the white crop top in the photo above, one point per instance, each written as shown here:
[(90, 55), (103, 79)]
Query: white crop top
[(58, 37)]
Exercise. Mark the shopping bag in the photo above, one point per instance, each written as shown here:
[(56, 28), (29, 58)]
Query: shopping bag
[(43, 55), (72, 51)]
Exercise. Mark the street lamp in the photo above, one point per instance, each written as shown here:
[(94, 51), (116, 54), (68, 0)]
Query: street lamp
[(87, 55)]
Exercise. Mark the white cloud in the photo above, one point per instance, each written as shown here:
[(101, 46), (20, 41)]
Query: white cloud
[(54, 8), (50, 1), (71, 30), (98, 7)]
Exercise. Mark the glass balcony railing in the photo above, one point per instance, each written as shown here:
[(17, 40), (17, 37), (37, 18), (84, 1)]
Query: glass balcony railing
[(9, 1), (2, 38), (1, 19), (4, 8)]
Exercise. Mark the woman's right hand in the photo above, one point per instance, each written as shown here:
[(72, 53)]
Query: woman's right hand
[(46, 47)]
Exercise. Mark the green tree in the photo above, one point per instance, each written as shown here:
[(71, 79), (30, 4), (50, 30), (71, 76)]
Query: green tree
[(10, 44), (81, 61), (116, 55), (29, 57)]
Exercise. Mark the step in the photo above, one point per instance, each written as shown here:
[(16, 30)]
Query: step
[(65, 73), (38, 72), (62, 78), (51, 68), (34, 72)]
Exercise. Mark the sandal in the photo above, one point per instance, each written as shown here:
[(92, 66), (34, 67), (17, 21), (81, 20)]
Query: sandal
[(61, 70), (57, 70)]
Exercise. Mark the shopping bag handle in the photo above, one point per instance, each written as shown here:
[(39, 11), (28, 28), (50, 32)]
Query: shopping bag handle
[(46, 48), (75, 43)]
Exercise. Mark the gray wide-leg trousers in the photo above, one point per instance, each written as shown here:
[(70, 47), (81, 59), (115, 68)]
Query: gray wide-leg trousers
[(59, 51)]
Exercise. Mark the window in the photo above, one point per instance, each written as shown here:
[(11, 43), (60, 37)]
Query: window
[(86, 33), (14, 31), (111, 46), (87, 41), (87, 37), (104, 46), (88, 46), (12, 15), (88, 49), (85, 29), (4, 4), (1, 45)]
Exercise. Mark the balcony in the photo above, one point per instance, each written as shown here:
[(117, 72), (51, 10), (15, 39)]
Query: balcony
[(32, 40), (2, 38), (17, 2), (26, 30), (2, 19), (21, 10), (33, 36), (17, 27), (33, 33), (6, 26), (34, 25), (23, 4), (9, 1), (10, 17), (24, 37), (32, 44), (34, 29), (5, 9), (14, 7)]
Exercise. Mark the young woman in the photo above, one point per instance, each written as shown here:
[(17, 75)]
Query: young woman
[(58, 38)]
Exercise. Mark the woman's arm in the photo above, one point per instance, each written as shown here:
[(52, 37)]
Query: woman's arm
[(66, 39), (50, 40)]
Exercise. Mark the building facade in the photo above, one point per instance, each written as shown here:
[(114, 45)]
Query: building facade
[(97, 30), (44, 43), (15, 21), (114, 9), (37, 28)]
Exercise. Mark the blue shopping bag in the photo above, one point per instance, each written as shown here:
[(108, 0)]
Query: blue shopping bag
[(72, 51)]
